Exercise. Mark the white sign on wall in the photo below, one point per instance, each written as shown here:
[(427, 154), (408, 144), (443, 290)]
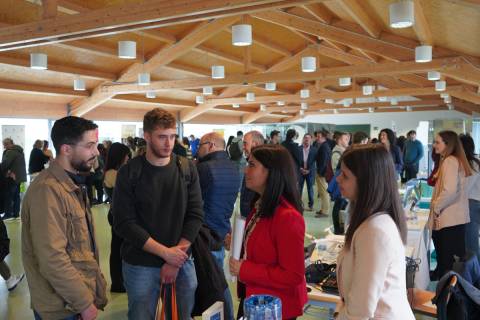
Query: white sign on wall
[(15, 132)]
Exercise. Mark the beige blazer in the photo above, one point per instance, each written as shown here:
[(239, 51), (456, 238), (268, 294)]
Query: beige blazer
[(449, 205), (371, 274)]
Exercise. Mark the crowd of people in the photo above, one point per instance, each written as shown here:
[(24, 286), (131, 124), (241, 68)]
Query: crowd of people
[(172, 199)]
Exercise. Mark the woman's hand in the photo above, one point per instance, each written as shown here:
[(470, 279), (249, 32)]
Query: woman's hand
[(235, 266)]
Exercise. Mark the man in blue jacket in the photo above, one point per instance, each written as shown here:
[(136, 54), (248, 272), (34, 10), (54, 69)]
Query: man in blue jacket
[(412, 155), (307, 169), (219, 181)]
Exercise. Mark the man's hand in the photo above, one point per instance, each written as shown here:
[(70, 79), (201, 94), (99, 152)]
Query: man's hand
[(168, 273), (235, 266), (90, 313), (175, 256), (227, 241)]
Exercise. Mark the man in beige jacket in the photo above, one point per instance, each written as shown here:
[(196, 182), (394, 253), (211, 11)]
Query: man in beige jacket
[(59, 251)]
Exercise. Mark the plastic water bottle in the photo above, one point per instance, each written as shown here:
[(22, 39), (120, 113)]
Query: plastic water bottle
[(262, 307)]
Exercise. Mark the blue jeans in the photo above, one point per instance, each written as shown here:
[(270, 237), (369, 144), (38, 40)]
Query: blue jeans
[(143, 289), (472, 228), (11, 198), (228, 307), (310, 179), (37, 316)]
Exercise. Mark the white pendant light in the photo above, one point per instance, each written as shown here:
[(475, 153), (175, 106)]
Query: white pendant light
[(151, 95), (382, 99), (444, 95), (367, 90), (371, 110), (408, 108), (127, 49), (335, 111), (144, 79), (280, 103), (309, 64), (440, 85), (447, 99), (218, 72), (270, 86), (304, 106), (433, 75), (423, 54), (207, 90), (235, 105), (250, 97), (199, 99), (344, 82), (346, 103), (302, 113), (393, 101), (329, 101), (401, 14), (78, 84), (304, 93), (242, 35), (38, 61), (263, 107), (450, 106)]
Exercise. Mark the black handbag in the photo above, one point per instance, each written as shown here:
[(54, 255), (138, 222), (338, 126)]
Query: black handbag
[(318, 271)]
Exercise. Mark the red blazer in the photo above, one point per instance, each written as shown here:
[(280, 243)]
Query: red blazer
[(275, 262)]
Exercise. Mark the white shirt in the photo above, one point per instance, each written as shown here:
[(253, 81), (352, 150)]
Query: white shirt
[(473, 183), (306, 151), (371, 274)]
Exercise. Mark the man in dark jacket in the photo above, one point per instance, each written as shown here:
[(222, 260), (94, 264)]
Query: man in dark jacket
[(323, 159), (292, 147), (158, 211), (219, 181), (14, 168)]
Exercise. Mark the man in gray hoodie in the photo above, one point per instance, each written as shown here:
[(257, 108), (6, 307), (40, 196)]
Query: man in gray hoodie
[(14, 169)]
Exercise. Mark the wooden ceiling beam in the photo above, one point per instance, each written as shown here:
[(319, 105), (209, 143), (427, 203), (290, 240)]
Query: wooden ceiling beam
[(226, 56), (40, 89), (366, 70), (358, 13), (201, 33), (159, 100), (360, 41), (49, 9), (267, 44), (319, 11), (465, 94), (421, 27), (82, 72), (130, 17)]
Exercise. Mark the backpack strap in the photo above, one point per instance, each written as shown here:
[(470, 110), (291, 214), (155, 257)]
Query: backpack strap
[(185, 167), (134, 172)]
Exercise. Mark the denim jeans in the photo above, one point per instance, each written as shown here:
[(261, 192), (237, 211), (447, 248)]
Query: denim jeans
[(74, 317), (310, 179), (143, 289), (472, 228), (11, 198), (228, 307)]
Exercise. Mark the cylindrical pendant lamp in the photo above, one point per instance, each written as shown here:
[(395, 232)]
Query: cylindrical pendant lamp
[(78, 84), (207, 90), (344, 82), (242, 35), (440, 85), (270, 86), (127, 49), (38, 61), (309, 64), (402, 14), (433, 75), (218, 72), (423, 54)]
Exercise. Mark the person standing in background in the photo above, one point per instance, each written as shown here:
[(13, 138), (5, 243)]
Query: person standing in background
[(37, 159), (413, 153), (449, 211), (323, 159), (46, 150), (308, 169), (252, 139), (473, 189), (343, 140), (387, 138), (14, 169), (275, 137)]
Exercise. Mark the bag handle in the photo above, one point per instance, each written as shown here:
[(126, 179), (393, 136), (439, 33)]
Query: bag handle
[(160, 312)]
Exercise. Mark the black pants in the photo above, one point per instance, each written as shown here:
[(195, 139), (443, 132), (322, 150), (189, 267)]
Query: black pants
[(99, 188), (448, 242), (116, 263), (11, 199), (340, 204), (411, 171)]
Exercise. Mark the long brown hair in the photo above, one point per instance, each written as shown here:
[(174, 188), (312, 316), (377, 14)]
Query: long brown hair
[(454, 148), (377, 189)]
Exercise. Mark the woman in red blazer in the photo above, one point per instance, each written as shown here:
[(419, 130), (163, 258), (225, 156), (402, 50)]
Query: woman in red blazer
[(272, 259)]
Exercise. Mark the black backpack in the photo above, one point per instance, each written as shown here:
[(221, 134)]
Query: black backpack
[(235, 150)]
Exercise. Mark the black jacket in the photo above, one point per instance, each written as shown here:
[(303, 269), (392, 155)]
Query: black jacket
[(211, 280), (37, 161), (294, 150), (324, 156), (4, 241)]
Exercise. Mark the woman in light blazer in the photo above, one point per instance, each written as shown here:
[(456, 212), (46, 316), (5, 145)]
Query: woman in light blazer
[(449, 207), (371, 266)]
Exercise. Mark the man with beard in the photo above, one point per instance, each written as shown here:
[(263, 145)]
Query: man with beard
[(59, 251), (158, 211)]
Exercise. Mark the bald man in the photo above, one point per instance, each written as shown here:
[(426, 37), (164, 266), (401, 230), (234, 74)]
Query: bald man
[(219, 181)]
